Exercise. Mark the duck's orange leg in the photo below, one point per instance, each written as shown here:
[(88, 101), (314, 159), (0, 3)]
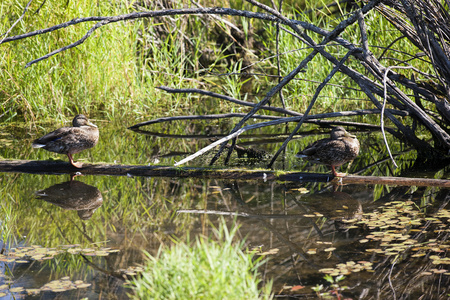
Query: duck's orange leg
[(75, 164), (336, 174)]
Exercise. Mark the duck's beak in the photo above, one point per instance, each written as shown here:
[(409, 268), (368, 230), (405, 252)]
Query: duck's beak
[(350, 135), (91, 124)]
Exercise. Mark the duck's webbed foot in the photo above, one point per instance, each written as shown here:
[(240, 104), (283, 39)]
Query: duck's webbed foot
[(340, 174), (75, 164), (336, 174)]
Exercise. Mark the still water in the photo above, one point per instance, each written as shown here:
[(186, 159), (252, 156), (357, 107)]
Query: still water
[(86, 235)]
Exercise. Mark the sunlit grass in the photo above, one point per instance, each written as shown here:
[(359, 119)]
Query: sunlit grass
[(209, 269), (116, 71), (103, 76)]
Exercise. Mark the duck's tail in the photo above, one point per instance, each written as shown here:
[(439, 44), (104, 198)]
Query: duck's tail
[(36, 145)]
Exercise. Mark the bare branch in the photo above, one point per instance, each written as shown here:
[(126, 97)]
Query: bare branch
[(311, 104), (200, 117), (15, 23), (363, 30), (309, 119), (77, 43), (231, 99), (317, 49)]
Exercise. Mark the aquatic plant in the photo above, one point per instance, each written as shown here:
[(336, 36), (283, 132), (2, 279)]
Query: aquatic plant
[(211, 268), (333, 291)]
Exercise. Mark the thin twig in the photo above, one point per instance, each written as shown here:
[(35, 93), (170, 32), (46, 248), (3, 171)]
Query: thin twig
[(317, 48), (228, 98), (77, 43), (40, 6), (15, 23), (383, 109), (236, 134), (390, 280), (311, 104), (238, 214), (200, 117), (277, 48)]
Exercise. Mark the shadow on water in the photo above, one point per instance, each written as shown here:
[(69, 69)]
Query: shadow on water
[(385, 240)]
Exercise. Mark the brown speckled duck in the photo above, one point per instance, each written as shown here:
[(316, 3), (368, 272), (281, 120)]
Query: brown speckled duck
[(70, 140), (334, 151)]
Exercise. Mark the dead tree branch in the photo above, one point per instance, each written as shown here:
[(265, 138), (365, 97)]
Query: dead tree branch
[(15, 23), (425, 25)]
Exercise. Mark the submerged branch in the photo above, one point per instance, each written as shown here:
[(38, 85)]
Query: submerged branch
[(237, 214)]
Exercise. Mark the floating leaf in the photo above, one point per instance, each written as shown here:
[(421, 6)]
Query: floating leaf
[(269, 252), (418, 255), (438, 271), (297, 287), (16, 289), (309, 216), (33, 291)]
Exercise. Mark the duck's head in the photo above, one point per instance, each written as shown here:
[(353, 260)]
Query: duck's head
[(81, 120), (339, 132)]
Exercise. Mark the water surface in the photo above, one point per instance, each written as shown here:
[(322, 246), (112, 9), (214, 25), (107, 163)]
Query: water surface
[(303, 228)]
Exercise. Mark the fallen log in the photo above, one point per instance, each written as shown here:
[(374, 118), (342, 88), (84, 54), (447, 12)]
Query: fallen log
[(61, 167)]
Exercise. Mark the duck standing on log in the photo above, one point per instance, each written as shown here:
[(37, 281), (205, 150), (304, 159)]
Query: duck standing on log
[(334, 151), (70, 140)]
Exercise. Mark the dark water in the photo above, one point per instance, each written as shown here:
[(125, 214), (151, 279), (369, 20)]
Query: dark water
[(303, 226)]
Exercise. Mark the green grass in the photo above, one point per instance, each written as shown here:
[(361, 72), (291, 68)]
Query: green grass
[(104, 76), (116, 71), (209, 269)]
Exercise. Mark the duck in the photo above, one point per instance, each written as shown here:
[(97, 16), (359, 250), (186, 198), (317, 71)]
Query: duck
[(334, 151), (70, 140)]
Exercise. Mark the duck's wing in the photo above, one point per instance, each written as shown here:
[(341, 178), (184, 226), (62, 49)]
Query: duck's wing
[(335, 152), (58, 134), (311, 149)]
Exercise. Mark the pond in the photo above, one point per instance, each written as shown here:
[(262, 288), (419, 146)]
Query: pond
[(79, 238)]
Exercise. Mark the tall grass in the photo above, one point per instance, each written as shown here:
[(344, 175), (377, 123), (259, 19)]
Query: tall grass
[(103, 76), (209, 269), (116, 71)]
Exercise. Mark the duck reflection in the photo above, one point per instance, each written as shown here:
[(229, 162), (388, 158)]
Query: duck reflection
[(337, 206), (73, 195)]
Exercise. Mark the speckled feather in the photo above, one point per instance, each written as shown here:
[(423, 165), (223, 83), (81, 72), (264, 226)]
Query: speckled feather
[(333, 152), (70, 140), (340, 148)]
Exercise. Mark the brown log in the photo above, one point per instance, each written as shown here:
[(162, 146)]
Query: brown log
[(61, 167), (405, 181)]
